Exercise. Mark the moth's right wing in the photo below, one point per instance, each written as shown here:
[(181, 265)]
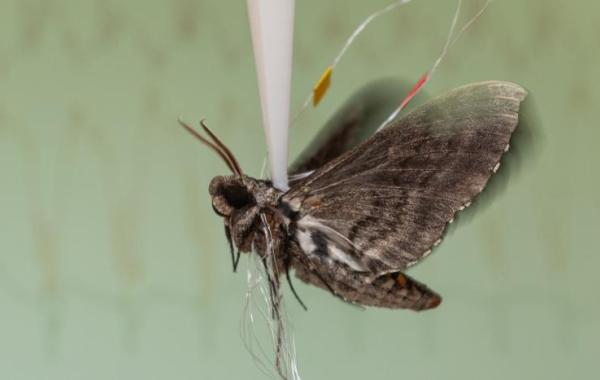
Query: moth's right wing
[(355, 122), (382, 206)]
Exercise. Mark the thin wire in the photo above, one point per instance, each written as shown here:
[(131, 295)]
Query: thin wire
[(280, 339), (363, 25), (248, 333), (263, 170), (450, 41), (259, 305), (357, 31)]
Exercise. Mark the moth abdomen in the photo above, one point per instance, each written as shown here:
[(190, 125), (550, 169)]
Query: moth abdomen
[(392, 290), (397, 290)]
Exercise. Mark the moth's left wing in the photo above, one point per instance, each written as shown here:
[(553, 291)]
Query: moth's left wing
[(383, 206)]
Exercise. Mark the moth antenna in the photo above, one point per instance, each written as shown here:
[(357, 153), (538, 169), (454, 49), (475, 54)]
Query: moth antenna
[(220, 144), (210, 144)]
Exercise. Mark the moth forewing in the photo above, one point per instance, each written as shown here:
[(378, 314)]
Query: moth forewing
[(392, 196)]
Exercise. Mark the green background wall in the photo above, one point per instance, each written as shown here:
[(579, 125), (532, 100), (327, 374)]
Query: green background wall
[(113, 266)]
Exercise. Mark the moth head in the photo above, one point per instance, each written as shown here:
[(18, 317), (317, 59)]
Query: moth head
[(237, 198), (230, 194)]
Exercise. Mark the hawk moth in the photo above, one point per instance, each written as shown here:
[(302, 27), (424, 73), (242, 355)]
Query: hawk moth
[(361, 210)]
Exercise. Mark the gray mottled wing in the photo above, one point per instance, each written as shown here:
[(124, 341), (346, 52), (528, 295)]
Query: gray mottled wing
[(356, 120), (383, 206)]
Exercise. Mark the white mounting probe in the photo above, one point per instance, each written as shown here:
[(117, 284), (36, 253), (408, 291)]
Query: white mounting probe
[(272, 26)]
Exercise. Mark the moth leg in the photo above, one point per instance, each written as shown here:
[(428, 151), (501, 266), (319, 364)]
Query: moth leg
[(273, 280), (399, 291), (287, 264), (234, 259)]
